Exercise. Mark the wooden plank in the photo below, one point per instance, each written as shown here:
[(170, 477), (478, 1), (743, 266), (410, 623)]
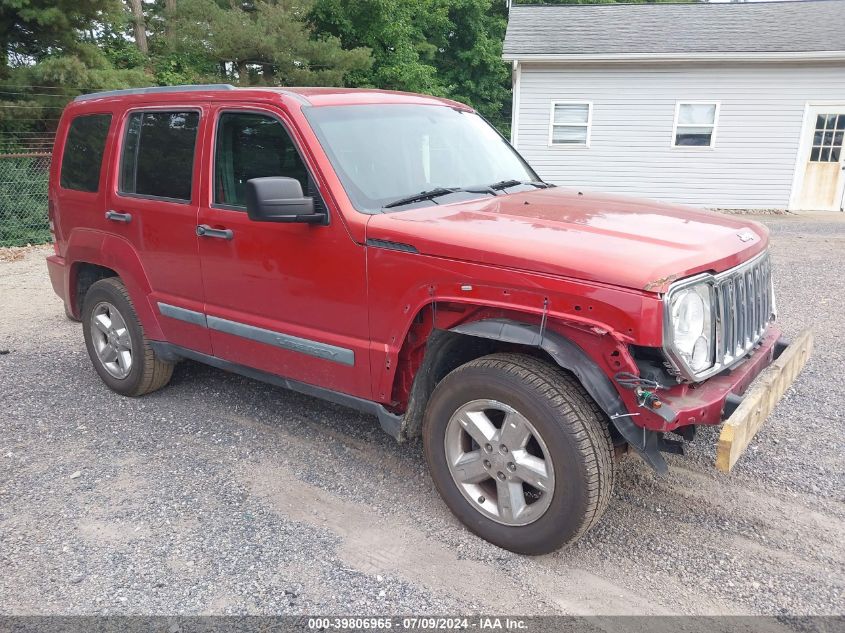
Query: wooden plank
[(758, 403)]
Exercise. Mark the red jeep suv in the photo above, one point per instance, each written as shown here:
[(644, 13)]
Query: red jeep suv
[(393, 253)]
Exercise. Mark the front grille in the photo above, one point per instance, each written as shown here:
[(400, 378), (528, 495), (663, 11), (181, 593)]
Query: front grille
[(744, 308)]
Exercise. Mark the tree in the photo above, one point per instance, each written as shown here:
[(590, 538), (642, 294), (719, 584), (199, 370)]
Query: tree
[(396, 31), (54, 50), (30, 30), (139, 25), (449, 48), (262, 43), (469, 58), (169, 15)]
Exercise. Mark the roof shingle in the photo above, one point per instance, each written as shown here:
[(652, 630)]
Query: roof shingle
[(758, 27)]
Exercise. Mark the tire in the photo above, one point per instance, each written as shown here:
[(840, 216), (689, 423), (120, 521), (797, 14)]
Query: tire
[(143, 372), (573, 436)]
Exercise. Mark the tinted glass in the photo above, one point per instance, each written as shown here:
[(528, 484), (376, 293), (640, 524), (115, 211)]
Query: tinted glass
[(158, 154), (83, 155), (252, 146), (384, 152)]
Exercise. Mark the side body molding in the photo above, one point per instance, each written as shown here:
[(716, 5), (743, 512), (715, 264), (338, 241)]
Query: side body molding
[(572, 358)]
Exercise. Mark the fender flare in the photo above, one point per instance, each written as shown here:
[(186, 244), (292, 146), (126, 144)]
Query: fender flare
[(564, 352), (572, 358), (117, 254)]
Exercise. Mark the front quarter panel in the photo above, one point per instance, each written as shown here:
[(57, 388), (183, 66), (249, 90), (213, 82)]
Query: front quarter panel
[(601, 320)]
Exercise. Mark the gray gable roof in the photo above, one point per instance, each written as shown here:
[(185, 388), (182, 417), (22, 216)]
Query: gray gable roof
[(608, 29)]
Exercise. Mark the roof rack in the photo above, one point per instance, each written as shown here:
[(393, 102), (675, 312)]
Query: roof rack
[(153, 90)]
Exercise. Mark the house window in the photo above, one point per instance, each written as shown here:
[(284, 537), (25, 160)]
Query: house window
[(570, 124), (695, 124), (828, 138)]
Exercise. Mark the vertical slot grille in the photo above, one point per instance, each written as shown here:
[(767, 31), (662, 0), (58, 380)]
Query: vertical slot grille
[(744, 308)]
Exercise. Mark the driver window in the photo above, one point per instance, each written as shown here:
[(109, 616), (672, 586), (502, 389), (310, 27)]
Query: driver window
[(252, 146)]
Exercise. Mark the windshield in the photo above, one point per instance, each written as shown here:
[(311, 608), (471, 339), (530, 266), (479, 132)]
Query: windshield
[(384, 153)]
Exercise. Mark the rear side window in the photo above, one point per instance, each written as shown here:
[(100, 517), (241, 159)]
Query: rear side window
[(83, 155), (158, 154)]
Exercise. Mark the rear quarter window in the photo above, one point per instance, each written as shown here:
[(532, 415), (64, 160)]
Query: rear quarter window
[(82, 158)]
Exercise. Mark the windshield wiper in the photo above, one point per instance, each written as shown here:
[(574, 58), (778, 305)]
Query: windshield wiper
[(418, 197), (507, 184), (442, 191)]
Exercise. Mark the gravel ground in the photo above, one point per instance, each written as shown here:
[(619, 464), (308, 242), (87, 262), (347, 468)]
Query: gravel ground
[(219, 494)]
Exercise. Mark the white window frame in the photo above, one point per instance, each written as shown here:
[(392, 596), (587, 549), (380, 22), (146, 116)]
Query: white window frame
[(715, 125), (589, 124)]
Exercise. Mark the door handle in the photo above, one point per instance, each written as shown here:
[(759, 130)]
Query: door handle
[(114, 216), (203, 230)]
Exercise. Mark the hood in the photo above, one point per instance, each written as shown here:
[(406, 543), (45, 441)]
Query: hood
[(639, 244)]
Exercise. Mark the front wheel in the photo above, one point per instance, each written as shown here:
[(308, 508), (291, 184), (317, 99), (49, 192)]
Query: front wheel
[(519, 452)]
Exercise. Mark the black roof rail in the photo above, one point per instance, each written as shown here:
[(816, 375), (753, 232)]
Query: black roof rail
[(153, 90)]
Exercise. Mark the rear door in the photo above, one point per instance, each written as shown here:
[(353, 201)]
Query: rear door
[(289, 299), (154, 205)]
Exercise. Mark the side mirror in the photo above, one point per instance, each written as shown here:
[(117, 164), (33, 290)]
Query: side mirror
[(280, 199)]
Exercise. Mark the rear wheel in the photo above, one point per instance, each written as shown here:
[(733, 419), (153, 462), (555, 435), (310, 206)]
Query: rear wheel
[(120, 352), (519, 452)]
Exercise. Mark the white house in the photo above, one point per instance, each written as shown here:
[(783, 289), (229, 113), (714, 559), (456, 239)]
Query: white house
[(734, 106)]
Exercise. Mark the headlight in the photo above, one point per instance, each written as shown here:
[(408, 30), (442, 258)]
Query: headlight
[(690, 327)]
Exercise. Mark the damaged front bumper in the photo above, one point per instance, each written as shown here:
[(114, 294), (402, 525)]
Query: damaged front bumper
[(756, 405), (774, 364)]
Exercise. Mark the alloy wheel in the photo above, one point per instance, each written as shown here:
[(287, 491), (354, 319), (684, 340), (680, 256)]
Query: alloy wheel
[(499, 462), (111, 339)]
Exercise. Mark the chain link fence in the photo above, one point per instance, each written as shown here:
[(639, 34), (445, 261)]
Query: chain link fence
[(23, 198)]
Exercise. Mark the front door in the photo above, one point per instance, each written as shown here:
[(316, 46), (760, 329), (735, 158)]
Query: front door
[(823, 160), (289, 299)]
